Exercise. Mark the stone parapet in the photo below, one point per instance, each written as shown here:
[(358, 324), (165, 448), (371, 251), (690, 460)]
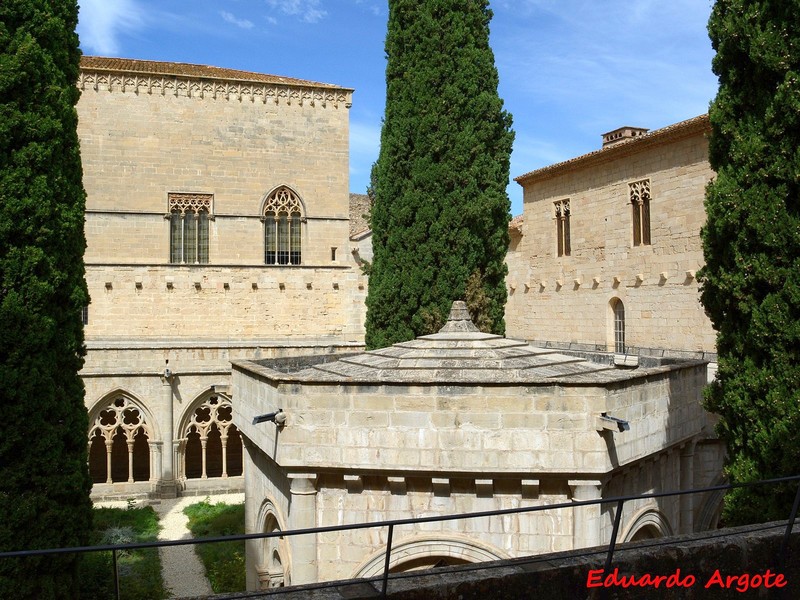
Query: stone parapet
[(706, 556)]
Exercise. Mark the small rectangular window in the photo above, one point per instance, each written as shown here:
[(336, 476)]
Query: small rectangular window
[(85, 315), (333, 254)]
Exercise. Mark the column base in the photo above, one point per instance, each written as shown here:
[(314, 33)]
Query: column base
[(167, 489)]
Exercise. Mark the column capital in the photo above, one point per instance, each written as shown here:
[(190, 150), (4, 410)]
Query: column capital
[(302, 483), (586, 489)]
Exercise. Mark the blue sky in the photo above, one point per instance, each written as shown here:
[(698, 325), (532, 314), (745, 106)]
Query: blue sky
[(570, 70)]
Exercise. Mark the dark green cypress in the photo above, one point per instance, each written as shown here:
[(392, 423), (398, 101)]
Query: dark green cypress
[(751, 281), (441, 212), (44, 479)]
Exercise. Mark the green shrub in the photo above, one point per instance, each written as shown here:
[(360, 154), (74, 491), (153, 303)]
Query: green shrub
[(223, 561), (139, 570)]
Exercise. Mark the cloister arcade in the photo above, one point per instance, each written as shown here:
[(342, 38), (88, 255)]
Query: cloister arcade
[(125, 445)]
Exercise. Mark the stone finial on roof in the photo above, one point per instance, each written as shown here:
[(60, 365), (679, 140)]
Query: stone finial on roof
[(459, 319)]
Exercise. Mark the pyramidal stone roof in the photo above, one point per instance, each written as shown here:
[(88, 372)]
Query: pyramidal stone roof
[(458, 353)]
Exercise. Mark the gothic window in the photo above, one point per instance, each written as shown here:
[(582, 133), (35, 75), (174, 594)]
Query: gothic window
[(119, 450), (640, 203), (188, 230), (213, 443), (283, 216), (619, 327), (562, 227)]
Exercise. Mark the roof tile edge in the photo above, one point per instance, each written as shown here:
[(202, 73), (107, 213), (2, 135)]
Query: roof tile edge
[(682, 129), (194, 71)]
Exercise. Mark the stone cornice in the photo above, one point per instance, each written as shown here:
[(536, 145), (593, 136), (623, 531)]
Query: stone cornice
[(300, 93)]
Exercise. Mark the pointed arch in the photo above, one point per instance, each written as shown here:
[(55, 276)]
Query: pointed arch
[(273, 558), (284, 213), (709, 514), (429, 552), (648, 523), (210, 444), (120, 436)]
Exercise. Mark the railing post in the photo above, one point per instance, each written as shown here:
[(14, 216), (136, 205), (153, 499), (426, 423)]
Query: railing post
[(788, 533), (116, 573), (386, 562), (614, 533)]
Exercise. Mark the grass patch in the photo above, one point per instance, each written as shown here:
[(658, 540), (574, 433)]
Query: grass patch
[(223, 561), (139, 570)]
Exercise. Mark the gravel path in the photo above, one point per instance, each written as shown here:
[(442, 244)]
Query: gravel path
[(181, 568)]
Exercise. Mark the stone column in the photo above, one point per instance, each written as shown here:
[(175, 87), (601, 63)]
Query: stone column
[(687, 483), (167, 487), (586, 520), (303, 515)]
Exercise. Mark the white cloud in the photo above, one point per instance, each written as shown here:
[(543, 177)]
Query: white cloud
[(603, 62), (102, 21), (230, 18), (371, 6), (309, 11)]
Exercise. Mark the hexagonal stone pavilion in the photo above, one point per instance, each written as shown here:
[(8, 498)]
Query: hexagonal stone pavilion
[(461, 421)]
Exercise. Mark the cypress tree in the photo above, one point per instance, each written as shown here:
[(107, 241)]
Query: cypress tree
[(751, 281), (441, 212), (44, 479)]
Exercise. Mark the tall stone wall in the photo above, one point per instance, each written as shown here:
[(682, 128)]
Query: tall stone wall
[(139, 146)]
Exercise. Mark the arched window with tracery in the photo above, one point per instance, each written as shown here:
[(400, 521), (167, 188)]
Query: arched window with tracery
[(119, 449), (213, 445), (283, 217)]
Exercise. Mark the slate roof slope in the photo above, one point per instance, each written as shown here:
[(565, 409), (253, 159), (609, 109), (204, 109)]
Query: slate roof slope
[(458, 353)]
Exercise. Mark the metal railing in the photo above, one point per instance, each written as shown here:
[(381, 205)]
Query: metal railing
[(391, 524)]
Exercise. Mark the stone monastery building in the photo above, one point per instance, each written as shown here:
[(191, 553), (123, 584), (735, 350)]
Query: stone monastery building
[(218, 227), (220, 230), (606, 254)]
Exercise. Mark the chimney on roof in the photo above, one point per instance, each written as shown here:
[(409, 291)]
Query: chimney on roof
[(622, 134)]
